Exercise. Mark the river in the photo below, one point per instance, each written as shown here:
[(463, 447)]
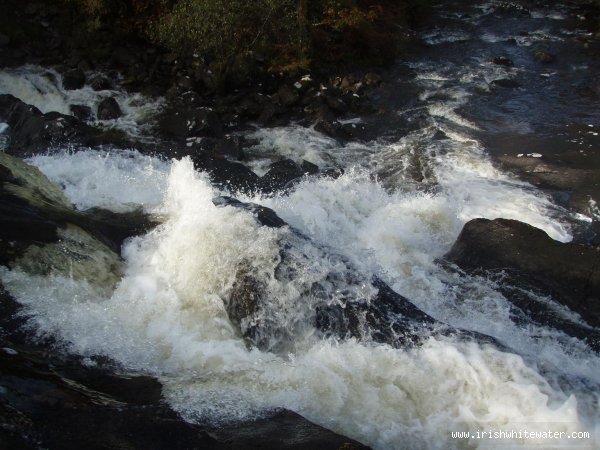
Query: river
[(396, 210)]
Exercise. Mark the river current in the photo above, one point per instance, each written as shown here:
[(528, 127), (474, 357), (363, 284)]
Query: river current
[(396, 210)]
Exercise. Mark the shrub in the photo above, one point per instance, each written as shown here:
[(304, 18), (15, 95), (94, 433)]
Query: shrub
[(223, 28)]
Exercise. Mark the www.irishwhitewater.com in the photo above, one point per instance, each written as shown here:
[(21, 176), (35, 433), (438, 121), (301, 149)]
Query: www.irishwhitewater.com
[(538, 435)]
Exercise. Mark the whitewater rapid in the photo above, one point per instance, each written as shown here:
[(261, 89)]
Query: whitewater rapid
[(167, 315)]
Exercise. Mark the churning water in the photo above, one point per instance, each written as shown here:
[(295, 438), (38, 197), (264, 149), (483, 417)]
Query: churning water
[(167, 314)]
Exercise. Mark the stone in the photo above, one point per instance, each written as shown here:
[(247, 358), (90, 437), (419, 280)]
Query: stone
[(30, 130), (73, 79), (544, 57), (502, 61), (109, 109), (192, 122), (82, 112), (569, 272), (280, 174), (229, 147), (372, 79), (224, 174), (309, 168), (264, 216), (288, 96), (100, 83), (506, 83)]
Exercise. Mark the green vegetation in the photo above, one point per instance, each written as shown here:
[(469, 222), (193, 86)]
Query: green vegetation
[(224, 28), (290, 34)]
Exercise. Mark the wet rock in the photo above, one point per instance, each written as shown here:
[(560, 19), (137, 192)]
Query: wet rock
[(229, 147), (338, 130), (73, 79), (309, 168), (32, 131), (280, 174), (570, 273), (544, 56), (82, 112), (502, 61), (54, 401), (345, 303), (35, 214), (100, 83), (506, 83), (265, 216), (387, 317), (109, 109), (268, 113), (581, 181), (335, 103), (372, 79), (285, 430), (243, 302), (288, 96), (226, 174), (317, 109), (193, 122), (251, 105)]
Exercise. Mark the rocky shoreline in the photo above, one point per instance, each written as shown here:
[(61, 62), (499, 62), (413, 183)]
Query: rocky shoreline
[(50, 400)]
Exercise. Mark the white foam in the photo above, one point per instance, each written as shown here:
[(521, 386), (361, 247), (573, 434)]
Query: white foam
[(117, 180), (42, 88), (294, 142), (438, 37), (167, 318)]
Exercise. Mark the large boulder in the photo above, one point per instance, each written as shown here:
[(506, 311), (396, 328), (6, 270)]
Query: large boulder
[(31, 131), (40, 231), (229, 175), (342, 302), (568, 272)]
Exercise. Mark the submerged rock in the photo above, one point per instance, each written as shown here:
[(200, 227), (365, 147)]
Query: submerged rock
[(570, 273)]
